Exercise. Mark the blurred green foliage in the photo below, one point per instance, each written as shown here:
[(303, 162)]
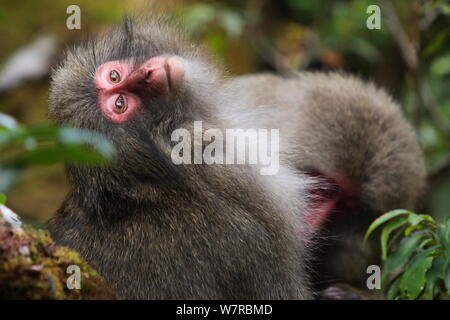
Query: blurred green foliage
[(21, 147), (20, 21), (2, 198)]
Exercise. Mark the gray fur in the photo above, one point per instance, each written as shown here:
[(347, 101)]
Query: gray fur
[(156, 230), (338, 124), (159, 231)]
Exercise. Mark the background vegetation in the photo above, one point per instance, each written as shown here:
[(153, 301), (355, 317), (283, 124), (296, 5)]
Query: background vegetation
[(415, 254)]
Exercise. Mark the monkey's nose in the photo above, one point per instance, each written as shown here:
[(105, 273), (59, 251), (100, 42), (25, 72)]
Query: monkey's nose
[(165, 73), (157, 76)]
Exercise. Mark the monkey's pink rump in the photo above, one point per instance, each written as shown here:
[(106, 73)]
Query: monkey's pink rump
[(333, 198)]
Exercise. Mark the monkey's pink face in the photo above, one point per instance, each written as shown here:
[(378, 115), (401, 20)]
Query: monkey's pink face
[(122, 89)]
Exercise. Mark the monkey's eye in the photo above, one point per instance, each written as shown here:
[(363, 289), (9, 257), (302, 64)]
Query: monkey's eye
[(114, 76), (120, 105)]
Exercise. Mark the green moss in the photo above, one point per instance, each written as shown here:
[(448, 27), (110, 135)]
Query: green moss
[(32, 266)]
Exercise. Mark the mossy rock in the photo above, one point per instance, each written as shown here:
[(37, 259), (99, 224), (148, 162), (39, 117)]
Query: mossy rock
[(32, 266)]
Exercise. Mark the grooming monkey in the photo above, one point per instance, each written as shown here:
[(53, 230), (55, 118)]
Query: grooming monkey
[(156, 230), (353, 138)]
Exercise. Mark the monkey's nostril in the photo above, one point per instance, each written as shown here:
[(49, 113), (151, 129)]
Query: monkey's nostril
[(148, 73)]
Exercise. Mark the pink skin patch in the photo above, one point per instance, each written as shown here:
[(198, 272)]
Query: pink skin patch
[(122, 90), (335, 198)]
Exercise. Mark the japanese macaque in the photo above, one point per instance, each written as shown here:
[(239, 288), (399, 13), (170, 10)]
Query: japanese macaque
[(153, 229), (353, 138), (159, 230)]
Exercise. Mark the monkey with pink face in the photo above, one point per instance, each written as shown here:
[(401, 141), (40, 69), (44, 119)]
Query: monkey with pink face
[(156, 230)]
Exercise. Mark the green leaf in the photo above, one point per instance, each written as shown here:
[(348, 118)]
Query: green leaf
[(394, 289), (232, 23), (55, 154), (417, 222), (2, 198), (441, 66), (426, 242), (400, 256), (80, 136), (444, 233), (387, 230), (427, 218), (444, 238), (413, 279), (365, 49), (432, 277), (22, 146), (8, 175), (384, 218), (411, 229), (447, 279), (435, 43), (19, 135), (49, 145), (43, 131), (7, 121), (198, 17), (414, 219)]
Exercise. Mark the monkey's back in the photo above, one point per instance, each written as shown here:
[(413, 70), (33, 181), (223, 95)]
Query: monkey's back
[(338, 127), (337, 124)]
